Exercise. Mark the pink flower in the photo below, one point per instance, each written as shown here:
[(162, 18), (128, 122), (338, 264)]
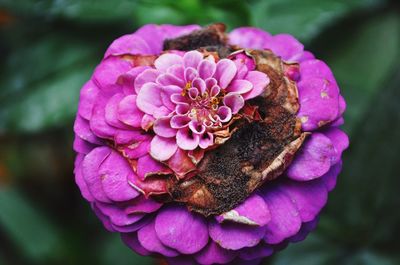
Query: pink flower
[(191, 96)]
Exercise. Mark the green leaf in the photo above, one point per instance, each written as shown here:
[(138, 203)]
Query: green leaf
[(115, 252), (27, 226), (303, 19)]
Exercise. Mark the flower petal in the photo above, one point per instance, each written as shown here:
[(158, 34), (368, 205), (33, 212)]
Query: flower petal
[(206, 69), (149, 240), (180, 229), (180, 121), (167, 60), (234, 101), (129, 113), (253, 211), (249, 37), (147, 76), (146, 166), (192, 59), (149, 98), (225, 72), (224, 113), (314, 158), (162, 127), (239, 86), (187, 140), (114, 173), (214, 254), (162, 148), (260, 82)]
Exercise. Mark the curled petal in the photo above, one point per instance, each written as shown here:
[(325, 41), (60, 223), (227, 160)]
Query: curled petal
[(162, 148), (180, 121), (234, 101), (224, 113), (239, 86), (129, 113), (206, 69), (147, 76), (187, 140), (149, 98), (192, 59), (225, 72), (163, 128), (260, 82)]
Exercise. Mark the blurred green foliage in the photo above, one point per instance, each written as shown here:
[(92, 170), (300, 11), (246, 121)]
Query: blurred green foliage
[(48, 48)]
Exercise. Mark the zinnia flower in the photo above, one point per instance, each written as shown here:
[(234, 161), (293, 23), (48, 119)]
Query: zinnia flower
[(206, 147)]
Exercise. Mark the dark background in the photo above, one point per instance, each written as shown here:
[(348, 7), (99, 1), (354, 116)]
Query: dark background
[(48, 49)]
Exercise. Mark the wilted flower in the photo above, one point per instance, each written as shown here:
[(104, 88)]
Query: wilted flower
[(205, 147)]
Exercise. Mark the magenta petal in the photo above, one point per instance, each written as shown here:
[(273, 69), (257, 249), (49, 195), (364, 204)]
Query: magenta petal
[(314, 158), (137, 149), (114, 172), (182, 109), (330, 177), (117, 214), (309, 197), (147, 165), (149, 98), (197, 127), (234, 101), (81, 146), (81, 182), (182, 230), (111, 111), (316, 69), (285, 46), (129, 113), (163, 128), (253, 211), (319, 102), (128, 44), (239, 86), (132, 241), (285, 219), (87, 98), (149, 240), (214, 254), (340, 141), (177, 70), (225, 72), (90, 172), (206, 69), (167, 92), (98, 124), (83, 131), (167, 60), (262, 250), (147, 76), (248, 37), (235, 236), (103, 218), (162, 148), (192, 59), (187, 140), (260, 82), (130, 136), (142, 205), (109, 70)]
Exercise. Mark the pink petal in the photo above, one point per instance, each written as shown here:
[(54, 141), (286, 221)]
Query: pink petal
[(206, 140), (149, 98), (177, 70), (260, 82), (167, 92), (167, 60), (197, 127), (192, 59), (169, 79), (182, 109), (199, 84), (180, 121), (181, 163), (162, 148), (234, 101), (249, 37), (224, 113), (206, 69), (128, 44), (129, 113), (147, 122), (147, 76), (178, 98), (225, 72), (187, 140), (190, 74), (239, 86), (163, 128), (87, 99)]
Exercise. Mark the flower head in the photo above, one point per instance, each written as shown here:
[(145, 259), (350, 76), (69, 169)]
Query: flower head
[(205, 147)]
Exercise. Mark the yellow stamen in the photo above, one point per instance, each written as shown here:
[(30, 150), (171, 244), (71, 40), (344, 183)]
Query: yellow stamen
[(186, 88)]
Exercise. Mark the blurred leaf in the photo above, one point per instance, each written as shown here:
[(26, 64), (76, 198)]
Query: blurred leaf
[(27, 226), (363, 61), (312, 251), (303, 19), (42, 78), (84, 10), (117, 253), (233, 13)]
